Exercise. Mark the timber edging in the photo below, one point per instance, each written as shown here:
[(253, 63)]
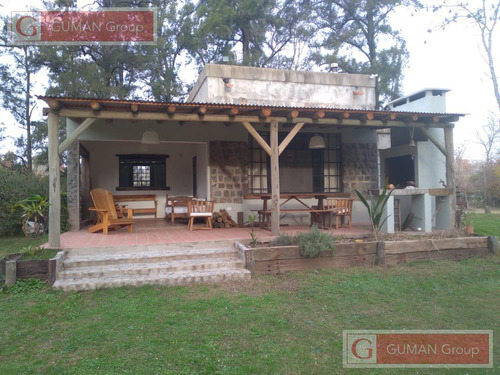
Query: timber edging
[(280, 259), (42, 269)]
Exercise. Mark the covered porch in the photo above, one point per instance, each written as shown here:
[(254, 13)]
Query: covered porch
[(158, 232), (241, 150)]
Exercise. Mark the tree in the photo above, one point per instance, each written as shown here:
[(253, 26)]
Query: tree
[(484, 15), (356, 35), (20, 64), (464, 170), (93, 70), (266, 33), (159, 68), (488, 137)]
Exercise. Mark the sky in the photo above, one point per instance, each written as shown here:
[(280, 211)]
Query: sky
[(445, 59)]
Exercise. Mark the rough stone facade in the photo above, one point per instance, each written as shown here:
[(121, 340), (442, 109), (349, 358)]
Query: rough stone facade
[(360, 166), (228, 171)]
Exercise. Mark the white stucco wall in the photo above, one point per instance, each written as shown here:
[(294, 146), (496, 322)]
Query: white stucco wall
[(259, 86)]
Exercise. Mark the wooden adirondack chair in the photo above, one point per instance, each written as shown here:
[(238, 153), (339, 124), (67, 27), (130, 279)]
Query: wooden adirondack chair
[(107, 217)]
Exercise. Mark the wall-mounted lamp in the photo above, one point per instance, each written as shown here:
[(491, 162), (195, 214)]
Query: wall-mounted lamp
[(227, 82), (316, 142), (150, 137)]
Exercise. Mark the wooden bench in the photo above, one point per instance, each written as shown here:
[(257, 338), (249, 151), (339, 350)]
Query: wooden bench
[(316, 214), (139, 198)]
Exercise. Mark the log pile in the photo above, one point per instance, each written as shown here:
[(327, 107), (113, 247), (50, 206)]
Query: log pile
[(222, 219)]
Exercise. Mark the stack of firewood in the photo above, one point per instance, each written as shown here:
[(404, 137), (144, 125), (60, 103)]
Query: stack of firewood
[(222, 219)]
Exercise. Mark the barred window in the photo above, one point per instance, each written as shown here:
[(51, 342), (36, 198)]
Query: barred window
[(302, 170), (142, 172)]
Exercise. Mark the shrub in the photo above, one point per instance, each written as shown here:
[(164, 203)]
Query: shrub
[(14, 187), (313, 243), (284, 240)]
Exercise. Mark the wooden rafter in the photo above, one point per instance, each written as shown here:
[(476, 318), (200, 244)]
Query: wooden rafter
[(76, 133), (435, 141)]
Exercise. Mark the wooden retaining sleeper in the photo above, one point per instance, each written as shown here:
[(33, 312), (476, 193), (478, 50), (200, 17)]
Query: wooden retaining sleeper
[(280, 259)]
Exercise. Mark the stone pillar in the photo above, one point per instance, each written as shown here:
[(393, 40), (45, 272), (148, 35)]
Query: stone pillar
[(73, 186), (54, 182)]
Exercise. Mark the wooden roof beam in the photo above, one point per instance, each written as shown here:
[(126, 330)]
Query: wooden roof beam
[(95, 105), (318, 115), (171, 109), (265, 112)]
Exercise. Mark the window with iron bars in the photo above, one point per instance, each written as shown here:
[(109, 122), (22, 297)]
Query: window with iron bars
[(302, 170)]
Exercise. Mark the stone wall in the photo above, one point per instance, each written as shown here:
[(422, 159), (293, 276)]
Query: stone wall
[(228, 171), (360, 167)]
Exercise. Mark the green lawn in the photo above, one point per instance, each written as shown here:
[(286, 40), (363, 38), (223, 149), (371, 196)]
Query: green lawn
[(290, 324), (9, 245), (486, 224)]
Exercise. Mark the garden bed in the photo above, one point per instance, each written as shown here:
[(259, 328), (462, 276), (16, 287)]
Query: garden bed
[(279, 259), (41, 265)]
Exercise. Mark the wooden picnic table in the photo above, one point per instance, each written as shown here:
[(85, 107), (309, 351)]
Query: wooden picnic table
[(318, 212)]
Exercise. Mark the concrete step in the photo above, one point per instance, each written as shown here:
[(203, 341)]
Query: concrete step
[(162, 278), (86, 269), (145, 256), (140, 268)]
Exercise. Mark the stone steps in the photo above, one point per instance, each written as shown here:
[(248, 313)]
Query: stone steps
[(87, 270)]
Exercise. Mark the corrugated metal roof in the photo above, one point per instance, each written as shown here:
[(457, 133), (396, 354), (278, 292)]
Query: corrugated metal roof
[(218, 108)]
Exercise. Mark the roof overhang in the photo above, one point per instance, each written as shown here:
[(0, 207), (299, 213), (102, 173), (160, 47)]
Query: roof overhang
[(237, 113)]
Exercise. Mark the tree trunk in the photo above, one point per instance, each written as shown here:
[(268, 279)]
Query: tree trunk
[(28, 114)]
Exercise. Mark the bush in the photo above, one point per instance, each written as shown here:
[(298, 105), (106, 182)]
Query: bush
[(284, 240), (16, 186), (313, 243)]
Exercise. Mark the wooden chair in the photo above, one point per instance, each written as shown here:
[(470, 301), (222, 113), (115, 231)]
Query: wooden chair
[(107, 217), (176, 207), (340, 208), (203, 209)]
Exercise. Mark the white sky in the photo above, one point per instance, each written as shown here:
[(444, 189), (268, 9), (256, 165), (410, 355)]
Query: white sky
[(449, 58)]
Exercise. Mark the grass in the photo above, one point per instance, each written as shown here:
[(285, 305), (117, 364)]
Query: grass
[(486, 224), (290, 324), (15, 244)]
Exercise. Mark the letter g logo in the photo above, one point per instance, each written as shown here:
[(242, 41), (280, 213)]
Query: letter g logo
[(29, 26), (359, 348), (356, 349), (25, 27)]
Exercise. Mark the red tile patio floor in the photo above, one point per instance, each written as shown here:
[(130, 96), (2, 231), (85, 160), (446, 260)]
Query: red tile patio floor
[(155, 232)]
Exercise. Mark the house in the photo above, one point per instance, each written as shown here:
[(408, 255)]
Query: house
[(244, 132)]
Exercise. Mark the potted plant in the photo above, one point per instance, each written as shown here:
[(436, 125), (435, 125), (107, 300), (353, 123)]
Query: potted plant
[(33, 213)]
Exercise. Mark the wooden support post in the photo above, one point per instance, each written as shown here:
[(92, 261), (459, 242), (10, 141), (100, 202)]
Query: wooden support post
[(450, 172), (76, 133), (434, 140), (290, 137), (54, 182), (257, 137), (380, 260), (275, 180), (493, 245), (52, 271), (10, 272)]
